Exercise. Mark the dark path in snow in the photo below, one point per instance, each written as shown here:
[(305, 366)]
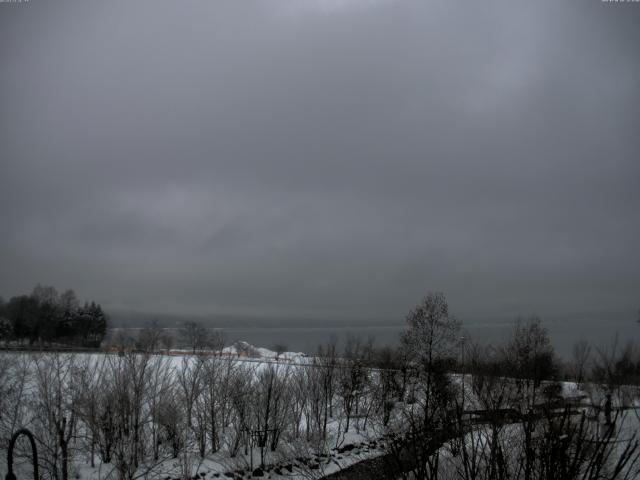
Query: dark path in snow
[(378, 468), (389, 466)]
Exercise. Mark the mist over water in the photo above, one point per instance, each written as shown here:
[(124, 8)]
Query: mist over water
[(601, 330), (563, 333)]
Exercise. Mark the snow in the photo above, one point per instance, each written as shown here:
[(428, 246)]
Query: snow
[(245, 349), (312, 465)]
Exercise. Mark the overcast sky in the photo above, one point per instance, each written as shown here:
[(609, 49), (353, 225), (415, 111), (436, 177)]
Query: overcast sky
[(327, 158)]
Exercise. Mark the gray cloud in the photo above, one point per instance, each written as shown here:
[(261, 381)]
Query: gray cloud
[(322, 157)]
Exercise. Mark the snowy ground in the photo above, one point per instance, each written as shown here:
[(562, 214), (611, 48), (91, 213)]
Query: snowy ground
[(290, 460), (293, 460), (293, 464)]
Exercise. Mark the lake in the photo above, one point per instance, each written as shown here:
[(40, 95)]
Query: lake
[(564, 333)]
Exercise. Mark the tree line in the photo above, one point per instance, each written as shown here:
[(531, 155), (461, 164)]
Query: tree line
[(48, 317)]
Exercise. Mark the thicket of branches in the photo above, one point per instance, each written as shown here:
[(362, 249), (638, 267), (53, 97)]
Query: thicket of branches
[(137, 411), (504, 414)]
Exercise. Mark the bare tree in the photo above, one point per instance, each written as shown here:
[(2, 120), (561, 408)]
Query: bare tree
[(88, 405), (387, 362), (160, 385), (531, 357), (431, 341), (580, 357), (169, 417), (149, 338), (432, 333), (242, 386), (194, 335), (128, 413), (328, 359), (56, 421), (271, 403), (167, 341), (353, 377), (217, 377), (190, 386), (616, 374)]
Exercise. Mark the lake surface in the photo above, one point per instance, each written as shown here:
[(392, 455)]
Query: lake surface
[(305, 335), (564, 333)]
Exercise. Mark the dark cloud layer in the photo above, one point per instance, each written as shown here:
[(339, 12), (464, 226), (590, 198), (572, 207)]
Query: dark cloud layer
[(328, 158)]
